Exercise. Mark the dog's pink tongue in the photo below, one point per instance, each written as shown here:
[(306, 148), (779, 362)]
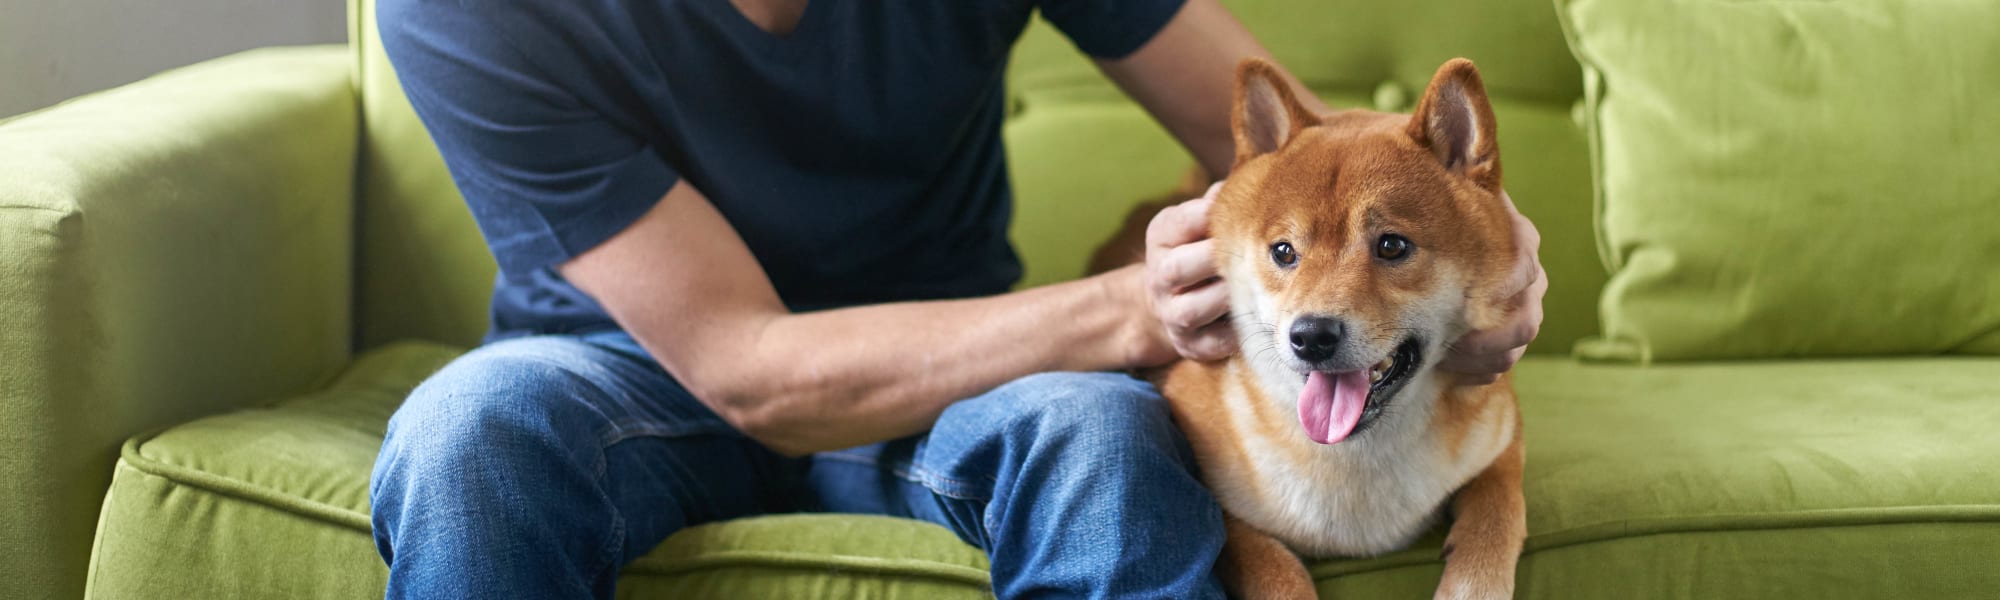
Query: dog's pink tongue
[(1331, 404)]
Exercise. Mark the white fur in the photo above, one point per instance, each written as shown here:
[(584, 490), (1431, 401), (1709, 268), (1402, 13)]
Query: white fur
[(1373, 493)]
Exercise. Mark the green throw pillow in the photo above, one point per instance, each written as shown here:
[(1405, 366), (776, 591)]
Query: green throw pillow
[(1789, 178)]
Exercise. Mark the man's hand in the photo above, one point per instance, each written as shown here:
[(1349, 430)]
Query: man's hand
[(1181, 281), (1481, 356)]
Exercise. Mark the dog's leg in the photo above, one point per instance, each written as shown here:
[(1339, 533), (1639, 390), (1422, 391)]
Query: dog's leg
[(1489, 522), (1256, 566)]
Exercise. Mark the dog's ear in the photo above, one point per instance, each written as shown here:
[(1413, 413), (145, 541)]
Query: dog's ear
[(1455, 121), (1266, 113)]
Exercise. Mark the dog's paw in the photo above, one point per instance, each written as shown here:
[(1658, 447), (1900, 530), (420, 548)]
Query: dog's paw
[(1476, 570), (1475, 588), (1475, 576), (1470, 593)]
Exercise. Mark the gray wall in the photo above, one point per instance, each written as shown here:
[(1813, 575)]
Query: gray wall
[(51, 50)]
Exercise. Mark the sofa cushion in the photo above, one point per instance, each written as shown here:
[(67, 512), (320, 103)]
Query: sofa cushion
[(1784, 178), (171, 248), (1820, 479), (1846, 478), (424, 270), (273, 503)]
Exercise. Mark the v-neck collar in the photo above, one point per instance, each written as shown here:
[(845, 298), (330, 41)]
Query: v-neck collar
[(789, 45)]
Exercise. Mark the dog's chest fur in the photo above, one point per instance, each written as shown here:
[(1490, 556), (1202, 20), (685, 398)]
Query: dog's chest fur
[(1374, 493)]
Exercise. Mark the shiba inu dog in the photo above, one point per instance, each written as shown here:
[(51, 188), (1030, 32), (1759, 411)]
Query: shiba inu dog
[(1355, 246)]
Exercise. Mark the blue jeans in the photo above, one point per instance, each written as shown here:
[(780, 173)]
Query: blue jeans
[(538, 467)]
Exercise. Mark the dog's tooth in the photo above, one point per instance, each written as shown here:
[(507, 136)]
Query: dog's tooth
[(1374, 376)]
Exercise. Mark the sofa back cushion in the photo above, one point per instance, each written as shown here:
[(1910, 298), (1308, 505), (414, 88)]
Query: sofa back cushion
[(1081, 153), (1795, 178), (423, 270)]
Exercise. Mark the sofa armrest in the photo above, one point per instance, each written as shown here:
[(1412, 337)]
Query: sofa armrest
[(172, 248)]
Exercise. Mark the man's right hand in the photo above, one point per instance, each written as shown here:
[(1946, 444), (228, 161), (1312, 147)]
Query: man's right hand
[(1186, 293)]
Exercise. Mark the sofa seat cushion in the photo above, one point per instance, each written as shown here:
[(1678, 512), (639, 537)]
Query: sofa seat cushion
[(1845, 478), (1820, 479), (273, 503)]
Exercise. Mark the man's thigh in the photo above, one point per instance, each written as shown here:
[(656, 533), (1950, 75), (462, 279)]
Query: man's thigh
[(1036, 436), (583, 433), (1075, 485)]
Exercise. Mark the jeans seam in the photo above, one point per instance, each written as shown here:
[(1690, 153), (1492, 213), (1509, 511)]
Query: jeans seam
[(611, 555), (939, 483), (621, 432), (613, 539), (914, 473)]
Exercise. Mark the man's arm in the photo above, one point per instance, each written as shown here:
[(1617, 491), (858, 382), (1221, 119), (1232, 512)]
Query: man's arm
[(684, 284), (1186, 77)]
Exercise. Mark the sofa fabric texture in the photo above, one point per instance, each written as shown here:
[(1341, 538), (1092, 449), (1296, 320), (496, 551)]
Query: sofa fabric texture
[(426, 272), (1718, 472), (228, 506), (1785, 178), (168, 249), (238, 269)]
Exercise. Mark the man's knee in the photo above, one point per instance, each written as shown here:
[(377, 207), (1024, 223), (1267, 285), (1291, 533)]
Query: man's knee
[(1102, 411), (515, 396)]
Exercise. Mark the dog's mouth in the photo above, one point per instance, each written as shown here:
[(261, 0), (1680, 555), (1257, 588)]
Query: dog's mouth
[(1335, 406)]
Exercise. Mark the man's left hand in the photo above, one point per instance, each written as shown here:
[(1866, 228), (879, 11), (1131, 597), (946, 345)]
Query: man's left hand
[(1480, 357)]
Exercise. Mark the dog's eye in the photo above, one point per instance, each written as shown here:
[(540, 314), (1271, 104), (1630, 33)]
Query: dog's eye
[(1393, 247), (1283, 254)]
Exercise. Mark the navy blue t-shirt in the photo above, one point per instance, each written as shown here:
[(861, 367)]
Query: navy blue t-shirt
[(858, 156)]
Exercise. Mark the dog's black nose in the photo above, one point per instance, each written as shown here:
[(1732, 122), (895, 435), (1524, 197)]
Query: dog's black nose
[(1315, 338)]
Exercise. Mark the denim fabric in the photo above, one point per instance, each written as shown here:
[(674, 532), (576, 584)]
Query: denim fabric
[(536, 467)]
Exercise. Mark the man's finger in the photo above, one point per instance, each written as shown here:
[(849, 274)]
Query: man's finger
[(1183, 267), (1179, 224), (1213, 342), (1520, 329), (1527, 261), (1477, 351), (1466, 353), (1531, 301), (1195, 309), (1476, 363)]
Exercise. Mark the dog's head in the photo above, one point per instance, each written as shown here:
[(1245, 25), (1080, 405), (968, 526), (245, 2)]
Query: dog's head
[(1358, 244)]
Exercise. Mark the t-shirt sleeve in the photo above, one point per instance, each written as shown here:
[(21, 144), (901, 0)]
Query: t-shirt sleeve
[(1109, 29), (546, 176)]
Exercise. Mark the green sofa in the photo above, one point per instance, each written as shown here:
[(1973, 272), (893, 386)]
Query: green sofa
[(218, 283)]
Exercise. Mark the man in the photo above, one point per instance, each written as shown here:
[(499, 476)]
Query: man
[(753, 258)]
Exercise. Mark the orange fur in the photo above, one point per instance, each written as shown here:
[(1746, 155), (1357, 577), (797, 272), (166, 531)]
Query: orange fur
[(1327, 184), (1255, 565)]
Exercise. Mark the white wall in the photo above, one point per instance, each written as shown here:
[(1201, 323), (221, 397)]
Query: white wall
[(51, 50)]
